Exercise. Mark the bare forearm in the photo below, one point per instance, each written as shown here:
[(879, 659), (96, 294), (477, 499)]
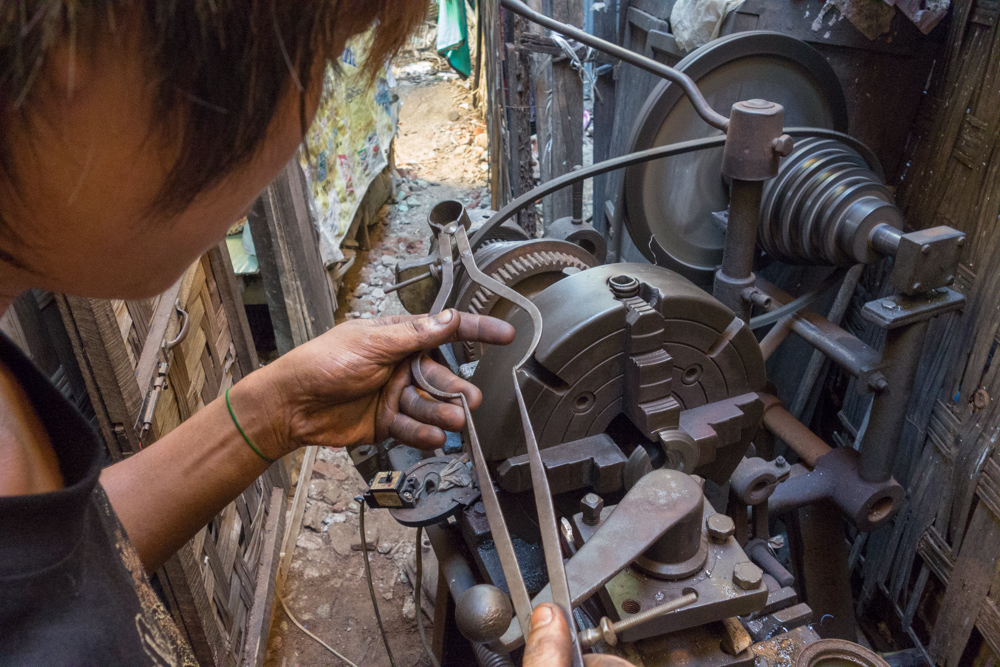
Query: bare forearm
[(166, 493)]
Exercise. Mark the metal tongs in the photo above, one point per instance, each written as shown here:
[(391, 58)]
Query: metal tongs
[(547, 521)]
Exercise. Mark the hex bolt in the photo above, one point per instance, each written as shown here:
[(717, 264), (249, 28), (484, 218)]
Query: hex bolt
[(591, 505), (608, 632), (783, 145), (747, 576), (720, 528)]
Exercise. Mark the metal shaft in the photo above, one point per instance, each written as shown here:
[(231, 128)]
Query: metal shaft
[(736, 273), (885, 425), (687, 84)]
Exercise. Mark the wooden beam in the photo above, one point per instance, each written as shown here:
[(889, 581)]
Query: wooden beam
[(259, 623), (298, 293), (566, 117)]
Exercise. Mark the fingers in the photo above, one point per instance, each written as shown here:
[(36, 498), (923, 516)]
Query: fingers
[(418, 405), (401, 336), (549, 642), (442, 378), (409, 431)]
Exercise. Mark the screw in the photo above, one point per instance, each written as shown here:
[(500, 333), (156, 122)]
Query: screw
[(926, 248), (780, 461), (783, 145), (889, 304), (608, 631), (720, 528), (624, 287), (591, 505), (747, 576)]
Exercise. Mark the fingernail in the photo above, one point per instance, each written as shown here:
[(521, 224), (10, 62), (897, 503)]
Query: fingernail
[(542, 616), (445, 317)]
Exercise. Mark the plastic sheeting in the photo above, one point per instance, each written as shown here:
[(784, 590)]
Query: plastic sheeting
[(697, 22)]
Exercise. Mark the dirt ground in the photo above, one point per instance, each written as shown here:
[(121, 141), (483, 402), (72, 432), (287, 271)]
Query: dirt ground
[(439, 154)]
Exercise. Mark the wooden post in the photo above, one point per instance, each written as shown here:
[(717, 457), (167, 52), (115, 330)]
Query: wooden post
[(298, 293), (605, 27), (565, 117), (519, 121)]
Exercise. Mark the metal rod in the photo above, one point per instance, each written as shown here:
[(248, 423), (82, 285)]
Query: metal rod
[(406, 283), (736, 273), (796, 435), (880, 444), (687, 84)]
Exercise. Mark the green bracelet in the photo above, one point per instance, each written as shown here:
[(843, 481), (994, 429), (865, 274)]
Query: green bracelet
[(240, 429)]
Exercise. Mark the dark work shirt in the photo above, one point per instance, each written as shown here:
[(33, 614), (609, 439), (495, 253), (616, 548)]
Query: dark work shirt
[(72, 589)]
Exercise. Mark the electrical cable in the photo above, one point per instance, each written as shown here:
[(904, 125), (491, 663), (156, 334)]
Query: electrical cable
[(417, 585), (303, 629), (368, 578), (798, 304)]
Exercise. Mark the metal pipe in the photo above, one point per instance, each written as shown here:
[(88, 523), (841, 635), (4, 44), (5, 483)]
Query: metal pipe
[(880, 444), (687, 84), (454, 567), (776, 336), (736, 273), (794, 433), (836, 314), (845, 349)]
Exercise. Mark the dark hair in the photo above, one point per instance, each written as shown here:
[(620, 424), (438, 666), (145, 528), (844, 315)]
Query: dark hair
[(219, 67)]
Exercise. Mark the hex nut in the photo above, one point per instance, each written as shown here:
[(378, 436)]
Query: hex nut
[(720, 528), (747, 576), (592, 505)]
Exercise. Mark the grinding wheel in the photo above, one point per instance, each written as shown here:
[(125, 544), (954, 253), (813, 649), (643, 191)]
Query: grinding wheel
[(673, 199)]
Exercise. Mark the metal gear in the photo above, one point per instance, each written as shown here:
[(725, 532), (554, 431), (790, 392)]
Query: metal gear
[(527, 266)]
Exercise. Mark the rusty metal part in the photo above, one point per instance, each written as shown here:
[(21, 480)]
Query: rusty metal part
[(823, 206), (837, 652), (607, 631), (754, 144), (867, 505), (576, 384), (843, 348), (447, 212), (906, 320), (755, 479), (483, 613), (747, 576), (579, 233), (528, 267), (735, 275), (809, 446), (720, 528), (653, 506), (923, 260), (694, 94), (593, 462), (760, 553)]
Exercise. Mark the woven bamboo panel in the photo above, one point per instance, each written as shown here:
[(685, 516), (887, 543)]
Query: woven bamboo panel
[(219, 583), (938, 563)]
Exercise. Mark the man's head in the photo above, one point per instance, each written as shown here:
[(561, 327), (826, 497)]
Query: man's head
[(132, 133)]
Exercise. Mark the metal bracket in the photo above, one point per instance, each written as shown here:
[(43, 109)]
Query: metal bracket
[(899, 310)]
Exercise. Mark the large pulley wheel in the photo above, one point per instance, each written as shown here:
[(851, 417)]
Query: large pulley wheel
[(672, 200)]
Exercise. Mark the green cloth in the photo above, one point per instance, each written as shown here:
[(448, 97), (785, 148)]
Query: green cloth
[(453, 36)]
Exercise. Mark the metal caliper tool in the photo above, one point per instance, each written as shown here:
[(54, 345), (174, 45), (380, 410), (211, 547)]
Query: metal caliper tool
[(547, 521)]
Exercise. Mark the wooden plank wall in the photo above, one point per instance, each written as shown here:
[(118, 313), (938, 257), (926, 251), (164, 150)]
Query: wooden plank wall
[(938, 563)]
